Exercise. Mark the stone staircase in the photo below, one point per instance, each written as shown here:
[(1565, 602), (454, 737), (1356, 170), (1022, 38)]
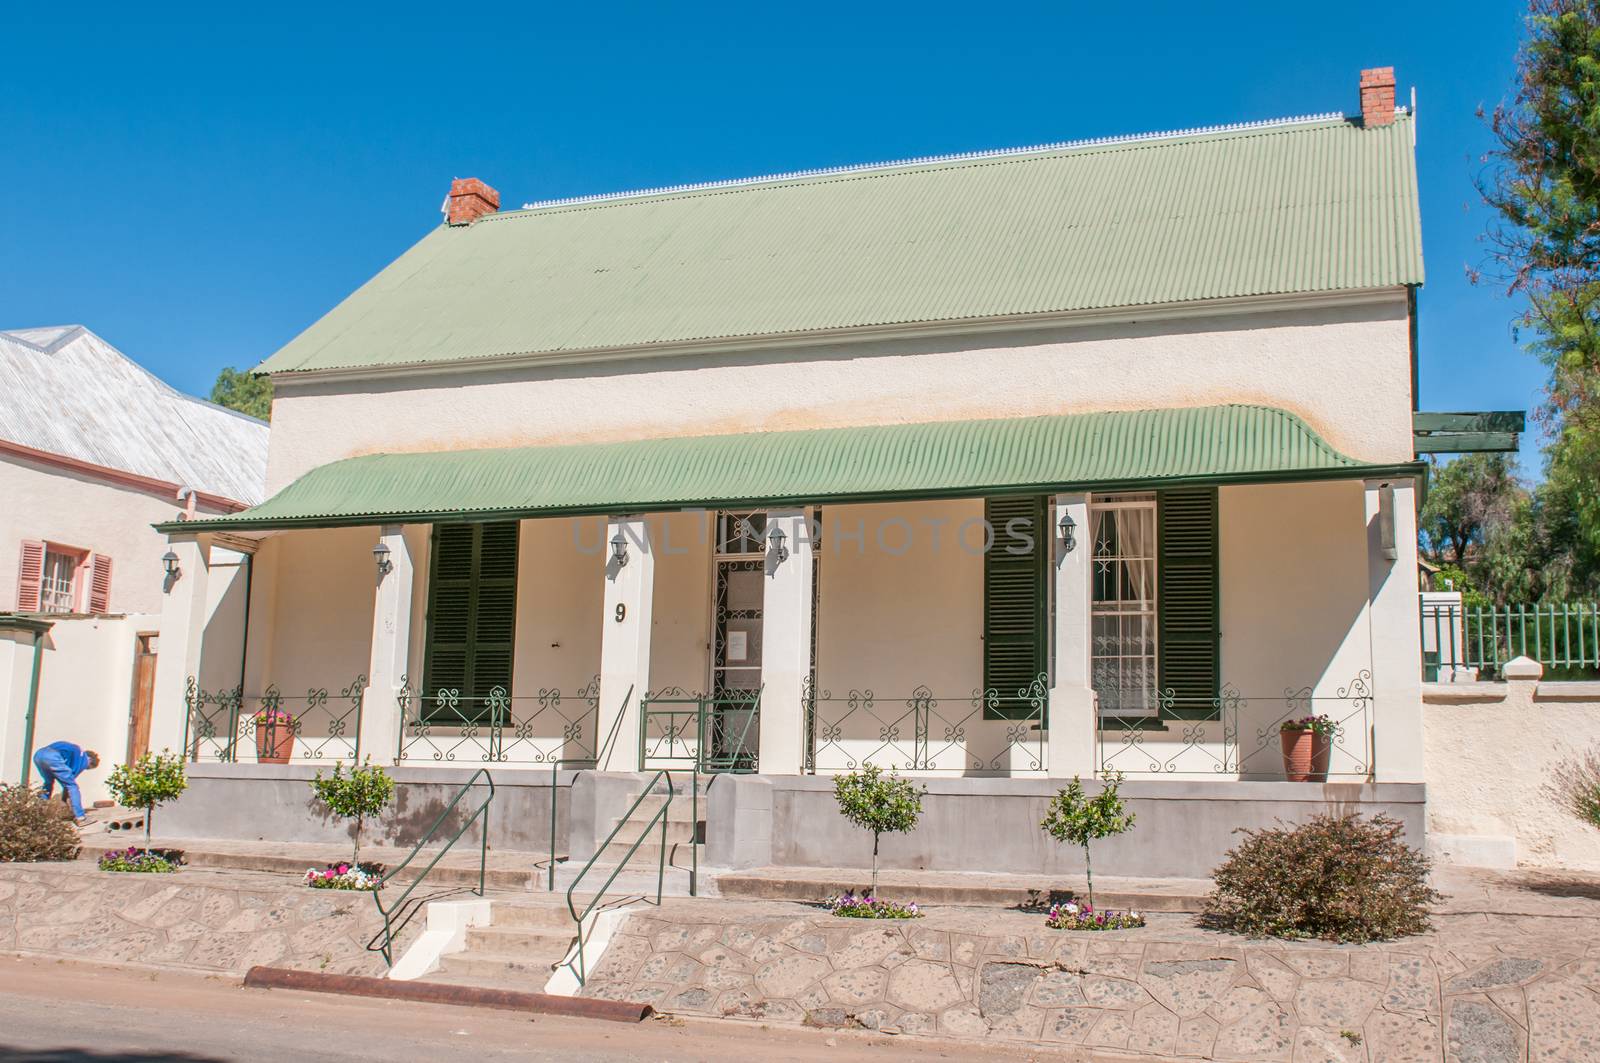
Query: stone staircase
[(518, 950), (684, 841)]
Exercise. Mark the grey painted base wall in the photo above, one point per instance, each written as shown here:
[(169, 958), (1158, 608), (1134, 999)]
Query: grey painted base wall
[(269, 802), (1182, 829)]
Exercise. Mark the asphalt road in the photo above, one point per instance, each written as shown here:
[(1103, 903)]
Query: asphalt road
[(56, 1011)]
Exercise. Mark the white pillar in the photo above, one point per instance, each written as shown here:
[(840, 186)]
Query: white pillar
[(391, 650), (1396, 643), (785, 642), (1073, 728), (183, 628), (625, 643)]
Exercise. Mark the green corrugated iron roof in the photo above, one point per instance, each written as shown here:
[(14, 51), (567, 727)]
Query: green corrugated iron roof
[(937, 460), (1290, 207)]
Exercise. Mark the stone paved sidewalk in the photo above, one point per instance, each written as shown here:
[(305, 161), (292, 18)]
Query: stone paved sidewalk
[(1510, 972)]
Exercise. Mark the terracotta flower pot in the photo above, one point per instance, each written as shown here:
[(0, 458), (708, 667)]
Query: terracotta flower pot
[(1305, 755), (274, 742)]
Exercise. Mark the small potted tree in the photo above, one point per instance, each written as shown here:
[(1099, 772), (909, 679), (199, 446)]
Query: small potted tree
[(883, 804), (152, 780), (1077, 819), (362, 792), (1307, 742)]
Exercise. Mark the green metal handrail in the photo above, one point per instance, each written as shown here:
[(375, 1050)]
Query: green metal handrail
[(660, 816), (482, 811), (703, 708)]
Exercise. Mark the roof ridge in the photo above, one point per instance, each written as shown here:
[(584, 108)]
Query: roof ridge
[(1257, 126)]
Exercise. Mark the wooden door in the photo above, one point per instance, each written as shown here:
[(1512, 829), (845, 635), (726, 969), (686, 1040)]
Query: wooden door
[(144, 683)]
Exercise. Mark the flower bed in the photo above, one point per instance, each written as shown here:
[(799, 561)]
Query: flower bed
[(146, 861), (849, 906), (1073, 916), (345, 876)]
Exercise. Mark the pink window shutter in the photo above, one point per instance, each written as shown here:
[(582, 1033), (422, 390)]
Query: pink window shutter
[(31, 576), (99, 583)]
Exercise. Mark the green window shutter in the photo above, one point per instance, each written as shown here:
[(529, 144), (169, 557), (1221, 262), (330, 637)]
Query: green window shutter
[(1187, 579), (1015, 601), (472, 612)]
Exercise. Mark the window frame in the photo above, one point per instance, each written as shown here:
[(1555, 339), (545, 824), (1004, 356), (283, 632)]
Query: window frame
[(80, 566), (1147, 501)]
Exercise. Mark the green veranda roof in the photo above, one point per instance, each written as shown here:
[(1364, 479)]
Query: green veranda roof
[(1295, 206), (945, 459)]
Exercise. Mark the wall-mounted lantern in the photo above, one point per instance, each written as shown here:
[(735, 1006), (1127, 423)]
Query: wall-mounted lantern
[(780, 552), (619, 548), (380, 556), (169, 561), (1067, 528)]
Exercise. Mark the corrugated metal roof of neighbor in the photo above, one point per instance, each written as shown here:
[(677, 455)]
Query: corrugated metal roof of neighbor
[(1296, 206), (67, 391), (941, 459)]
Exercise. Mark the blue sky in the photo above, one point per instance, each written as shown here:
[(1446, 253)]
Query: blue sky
[(198, 190)]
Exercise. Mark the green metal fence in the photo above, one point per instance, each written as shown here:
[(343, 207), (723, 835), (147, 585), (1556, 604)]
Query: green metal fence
[(1559, 635), (710, 732)]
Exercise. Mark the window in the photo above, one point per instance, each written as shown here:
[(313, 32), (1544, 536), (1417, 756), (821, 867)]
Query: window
[(472, 613), (1123, 615), (1155, 639), (58, 582)]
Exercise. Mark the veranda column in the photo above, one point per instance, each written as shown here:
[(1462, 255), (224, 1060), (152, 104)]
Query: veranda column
[(785, 641), (391, 644), (1392, 624), (625, 642), (1071, 747), (183, 626)]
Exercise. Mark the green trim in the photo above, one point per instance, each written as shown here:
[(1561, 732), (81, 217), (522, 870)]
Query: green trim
[(33, 703), (19, 622)]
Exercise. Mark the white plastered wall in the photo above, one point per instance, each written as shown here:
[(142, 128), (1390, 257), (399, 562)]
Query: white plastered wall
[(81, 511), (1346, 369), (311, 607)]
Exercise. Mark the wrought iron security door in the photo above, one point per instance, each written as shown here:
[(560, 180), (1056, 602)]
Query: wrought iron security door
[(736, 641)]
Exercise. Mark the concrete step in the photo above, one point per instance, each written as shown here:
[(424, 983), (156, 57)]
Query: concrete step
[(521, 981), (507, 972), (678, 830), (520, 942), (972, 889), (649, 853), (552, 916), (631, 882)]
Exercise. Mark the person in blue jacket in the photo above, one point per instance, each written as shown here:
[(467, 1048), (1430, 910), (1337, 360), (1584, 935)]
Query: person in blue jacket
[(63, 762)]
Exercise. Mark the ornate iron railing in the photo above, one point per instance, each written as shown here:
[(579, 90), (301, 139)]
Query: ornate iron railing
[(983, 732), (447, 727), (272, 727), (1232, 734), (1559, 635), (711, 732)]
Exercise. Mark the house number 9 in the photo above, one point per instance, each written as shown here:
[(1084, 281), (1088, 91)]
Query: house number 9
[(622, 611)]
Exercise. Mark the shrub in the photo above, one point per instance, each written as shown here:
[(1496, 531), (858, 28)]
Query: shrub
[(1074, 818), (30, 829), (1575, 786), (142, 860), (883, 804), (1340, 878), (363, 792), (152, 780)]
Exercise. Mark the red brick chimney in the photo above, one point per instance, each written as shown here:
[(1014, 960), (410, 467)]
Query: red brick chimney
[(1377, 96), (471, 199)]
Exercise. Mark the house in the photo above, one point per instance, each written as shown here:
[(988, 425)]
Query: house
[(94, 451), (994, 469)]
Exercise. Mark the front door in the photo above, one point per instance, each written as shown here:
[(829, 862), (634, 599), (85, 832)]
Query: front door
[(739, 589), (144, 685)]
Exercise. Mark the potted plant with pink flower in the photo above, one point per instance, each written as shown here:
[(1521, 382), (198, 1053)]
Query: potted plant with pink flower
[(1307, 742), (274, 735)]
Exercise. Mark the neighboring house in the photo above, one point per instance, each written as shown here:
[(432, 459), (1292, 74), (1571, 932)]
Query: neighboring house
[(94, 451), (996, 468)]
